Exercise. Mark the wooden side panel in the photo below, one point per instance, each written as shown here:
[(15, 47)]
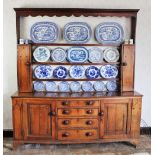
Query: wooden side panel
[(127, 69), (136, 117), (17, 118), (24, 70)]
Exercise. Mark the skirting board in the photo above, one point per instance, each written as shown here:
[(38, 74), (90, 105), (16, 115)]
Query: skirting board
[(143, 131)]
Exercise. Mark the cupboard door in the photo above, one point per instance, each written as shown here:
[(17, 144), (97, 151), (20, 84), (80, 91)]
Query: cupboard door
[(115, 122), (37, 120)]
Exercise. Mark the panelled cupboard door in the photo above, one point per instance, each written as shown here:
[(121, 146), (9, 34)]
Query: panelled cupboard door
[(37, 119), (116, 121)]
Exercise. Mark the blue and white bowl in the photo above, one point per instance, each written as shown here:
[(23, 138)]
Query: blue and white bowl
[(58, 55), (77, 32), (111, 86), (100, 86), (109, 33), (51, 86), (60, 72), (38, 86), (87, 86), (64, 86), (92, 72), (77, 72), (41, 54), (43, 72), (44, 32), (77, 54), (75, 86), (109, 71)]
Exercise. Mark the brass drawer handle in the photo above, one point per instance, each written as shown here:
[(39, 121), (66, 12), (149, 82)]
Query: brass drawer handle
[(65, 122), (89, 133), (66, 134), (89, 111), (89, 102), (89, 122), (66, 112), (65, 103)]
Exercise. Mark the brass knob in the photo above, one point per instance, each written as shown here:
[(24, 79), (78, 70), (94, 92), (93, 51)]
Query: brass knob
[(89, 111), (89, 134), (90, 102), (27, 63), (66, 122), (66, 134), (101, 113), (89, 122), (66, 112), (52, 113), (65, 103)]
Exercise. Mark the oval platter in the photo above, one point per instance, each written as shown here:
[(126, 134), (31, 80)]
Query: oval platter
[(77, 54), (77, 32), (41, 54), (109, 33), (44, 32)]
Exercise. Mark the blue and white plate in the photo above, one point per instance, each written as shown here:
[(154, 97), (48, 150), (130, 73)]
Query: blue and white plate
[(77, 72), (44, 32), (111, 85), (75, 86), (58, 55), (111, 55), (109, 33), (77, 32), (43, 72), (38, 86), (41, 54), (60, 72), (77, 54), (109, 71), (51, 86), (99, 86), (92, 72), (64, 86), (87, 86), (95, 55)]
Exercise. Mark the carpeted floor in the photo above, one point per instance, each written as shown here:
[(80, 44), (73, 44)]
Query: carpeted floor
[(144, 148)]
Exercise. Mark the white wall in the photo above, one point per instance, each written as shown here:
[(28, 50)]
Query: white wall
[(142, 74)]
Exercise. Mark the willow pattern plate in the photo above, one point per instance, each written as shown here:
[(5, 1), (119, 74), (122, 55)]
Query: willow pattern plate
[(109, 33), (77, 32), (95, 55), (77, 72), (111, 55), (38, 86), (87, 86), (64, 86), (43, 72), (75, 86), (41, 54), (60, 72), (51, 86), (109, 71), (44, 32), (58, 55), (99, 86), (111, 85)]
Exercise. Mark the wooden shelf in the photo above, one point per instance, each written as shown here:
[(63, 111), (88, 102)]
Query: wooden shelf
[(99, 79), (66, 44), (68, 63)]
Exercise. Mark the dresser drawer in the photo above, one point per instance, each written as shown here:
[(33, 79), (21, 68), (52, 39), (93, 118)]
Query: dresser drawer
[(77, 123), (77, 112), (77, 103), (77, 134)]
